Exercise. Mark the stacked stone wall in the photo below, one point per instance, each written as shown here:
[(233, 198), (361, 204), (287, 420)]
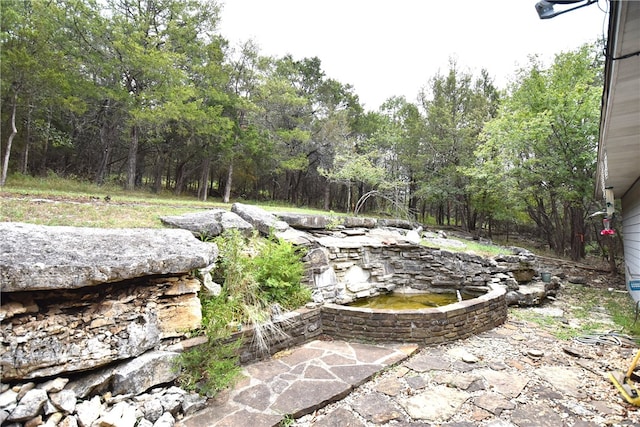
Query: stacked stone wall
[(45, 333), (296, 328), (429, 326), (342, 273)]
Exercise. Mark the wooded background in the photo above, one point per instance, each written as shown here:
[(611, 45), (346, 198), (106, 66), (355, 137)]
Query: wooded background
[(148, 94)]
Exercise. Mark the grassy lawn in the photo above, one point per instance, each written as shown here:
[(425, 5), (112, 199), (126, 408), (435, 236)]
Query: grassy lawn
[(587, 310), (56, 201)]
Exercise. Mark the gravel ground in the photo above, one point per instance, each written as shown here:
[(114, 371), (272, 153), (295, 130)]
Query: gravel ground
[(518, 374)]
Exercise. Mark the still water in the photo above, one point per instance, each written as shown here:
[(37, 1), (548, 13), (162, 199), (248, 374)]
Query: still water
[(400, 301)]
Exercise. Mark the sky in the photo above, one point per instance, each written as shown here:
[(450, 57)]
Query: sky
[(393, 48)]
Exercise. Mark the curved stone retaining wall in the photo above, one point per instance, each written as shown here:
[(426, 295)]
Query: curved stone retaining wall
[(345, 269), (428, 326)]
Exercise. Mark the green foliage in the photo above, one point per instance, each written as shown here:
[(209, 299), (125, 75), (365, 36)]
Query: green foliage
[(279, 271), (148, 92), (256, 273), (538, 156), (457, 107), (209, 368), (287, 421), (260, 272), (212, 366)]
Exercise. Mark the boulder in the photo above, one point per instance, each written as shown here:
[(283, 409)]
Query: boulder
[(205, 223), (166, 420), (144, 372), (122, 414), (358, 221), (192, 403), (262, 220), (413, 237), (39, 257), (396, 223), (317, 258), (89, 411), (524, 275), (296, 237), (65, 401), (210, 223), (305, 222), (233, 221), (29, 406), (528, 295)]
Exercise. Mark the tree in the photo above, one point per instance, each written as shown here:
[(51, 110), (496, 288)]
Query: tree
[(337, 108), (37, 74), (348, 166), (149, 46), (456, 109), (246, 75), (403, 140), (544, 138)]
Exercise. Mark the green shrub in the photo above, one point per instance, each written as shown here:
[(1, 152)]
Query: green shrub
[(278, 269), (212, 366), (209, 368), (256, 274)]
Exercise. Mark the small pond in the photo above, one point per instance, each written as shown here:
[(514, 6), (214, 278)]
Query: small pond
[(408, 301), (443, 320)]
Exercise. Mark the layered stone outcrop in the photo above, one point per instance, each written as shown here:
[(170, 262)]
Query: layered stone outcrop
[(36, 257), (54, 332), (76, 299)]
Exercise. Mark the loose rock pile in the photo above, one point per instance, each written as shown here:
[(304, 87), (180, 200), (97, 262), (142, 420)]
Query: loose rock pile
[(52, 404)]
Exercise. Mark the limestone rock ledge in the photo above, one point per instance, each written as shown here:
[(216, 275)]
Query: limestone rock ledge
[(76, 299), (53, 332), (38, 257)]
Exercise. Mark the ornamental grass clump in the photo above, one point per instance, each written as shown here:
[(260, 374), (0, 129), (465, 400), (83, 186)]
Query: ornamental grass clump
[(260, 279)]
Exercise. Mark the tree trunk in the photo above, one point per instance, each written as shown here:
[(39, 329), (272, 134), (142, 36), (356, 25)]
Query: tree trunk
[(157, 174), (577, 239), (227, 184), (24, 168), (105, 157), (413, 200), (327, 195), (45, 149), (181, 175), (132, 159), (106, 143), (204, 180), (180, 178), (14, 131)]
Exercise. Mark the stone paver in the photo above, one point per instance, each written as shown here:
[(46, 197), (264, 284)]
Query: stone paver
[(301, 381), (438, 404)]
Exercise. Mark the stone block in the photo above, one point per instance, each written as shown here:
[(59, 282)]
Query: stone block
[(144, 372), (39, 257)]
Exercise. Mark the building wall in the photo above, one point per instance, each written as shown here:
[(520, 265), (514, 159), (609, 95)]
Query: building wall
[(631, 231)]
